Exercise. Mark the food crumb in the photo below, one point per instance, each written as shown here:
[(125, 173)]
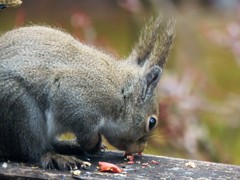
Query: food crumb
[(154, 162), (75, 172), (130, 162), (4, 165), (190, 165), (109, 167), (144, 164), (130, 157)]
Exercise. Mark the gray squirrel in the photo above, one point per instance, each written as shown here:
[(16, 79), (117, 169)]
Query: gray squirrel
[(50, 84)]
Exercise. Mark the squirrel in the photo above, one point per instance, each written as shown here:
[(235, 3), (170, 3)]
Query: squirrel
[(50, 84)]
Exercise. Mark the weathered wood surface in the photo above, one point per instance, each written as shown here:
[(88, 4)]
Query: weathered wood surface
[(168, 168)]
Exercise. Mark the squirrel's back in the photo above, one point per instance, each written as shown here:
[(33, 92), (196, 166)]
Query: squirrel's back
[(41, 51), (47, 45)]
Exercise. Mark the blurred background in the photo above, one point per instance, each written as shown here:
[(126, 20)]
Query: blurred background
[(200, 89)]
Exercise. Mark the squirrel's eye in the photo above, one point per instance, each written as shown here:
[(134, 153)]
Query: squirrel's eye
[(152, 122)]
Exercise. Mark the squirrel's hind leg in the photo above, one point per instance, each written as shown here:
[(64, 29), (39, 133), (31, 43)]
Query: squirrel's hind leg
[(72, 147), (68, 147)]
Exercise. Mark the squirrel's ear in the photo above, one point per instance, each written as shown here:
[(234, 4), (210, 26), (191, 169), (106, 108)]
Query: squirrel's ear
[(154, 43), (149, 82)]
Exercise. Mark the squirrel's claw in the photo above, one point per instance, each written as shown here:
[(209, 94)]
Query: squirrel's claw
[(103, 148), (62, 162)]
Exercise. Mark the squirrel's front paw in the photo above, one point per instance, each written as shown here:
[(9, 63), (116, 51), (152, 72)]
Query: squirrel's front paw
[(57, 161), (97, 147)]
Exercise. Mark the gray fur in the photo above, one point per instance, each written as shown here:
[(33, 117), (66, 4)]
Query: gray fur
[(50, 84)]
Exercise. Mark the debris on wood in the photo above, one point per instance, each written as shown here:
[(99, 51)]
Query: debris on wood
[(154, 162), (130, 162), (75, 172), (109, 167), (4, 165), (144, 164), (190, 165), (130, 157)]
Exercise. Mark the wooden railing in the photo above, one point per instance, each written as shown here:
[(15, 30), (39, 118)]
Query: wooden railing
[(144, 167)]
